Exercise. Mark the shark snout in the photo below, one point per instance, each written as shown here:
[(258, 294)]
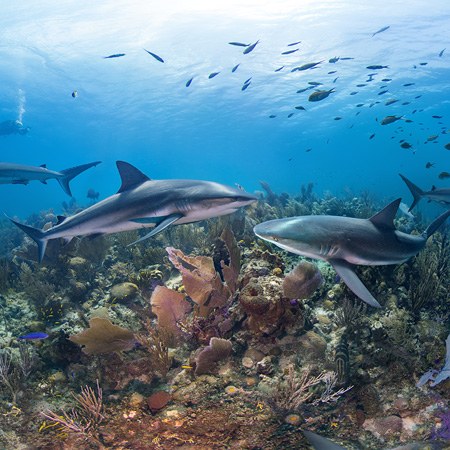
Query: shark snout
[(267, 230)]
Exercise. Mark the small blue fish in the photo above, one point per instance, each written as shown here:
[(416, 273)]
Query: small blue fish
[(235, 67), (188, 82), (34, 336), (212, 75), (279, 68), (158, 58)]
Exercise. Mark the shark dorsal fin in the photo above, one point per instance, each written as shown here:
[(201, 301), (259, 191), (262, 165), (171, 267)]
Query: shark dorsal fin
[(43, 165), (61, 219), (130, 176), (385, 217)]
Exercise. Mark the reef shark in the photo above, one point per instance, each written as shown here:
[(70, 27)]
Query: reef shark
[(345, 241), (11, 173), (142, 202), (441, 195)]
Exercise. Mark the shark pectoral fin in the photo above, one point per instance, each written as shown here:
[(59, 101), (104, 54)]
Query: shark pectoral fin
[(144, 220), (169, 220), (349, 277)]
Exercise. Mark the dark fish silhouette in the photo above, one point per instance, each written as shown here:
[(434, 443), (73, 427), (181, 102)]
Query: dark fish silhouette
[(213, 74), (279, 68), (116, 55), (429, 165), (158, 58), (405, 103), (377, 67), (245, 86), (314, 83), (447, 146), (239, 44), (441, 53), (188, 82), (386, 79), (288, 52), (303, 109), (372, 136), (250, 48), (235, 68), (294, 43), (383, 92), (338, 118), (405, 145), (331, 73), (290, 115), (390, 119), (361, 85), (391, 101), (444, 175), (423, 63), (319, 95), (346, 58), (304, 89), (306, 66), (92, 194), (436, 117), (334, 60), (272, 116), (75, 94), (381, 30), (408, 84)]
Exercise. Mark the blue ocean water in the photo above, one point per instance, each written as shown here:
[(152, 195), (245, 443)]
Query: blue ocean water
[(137, 109)]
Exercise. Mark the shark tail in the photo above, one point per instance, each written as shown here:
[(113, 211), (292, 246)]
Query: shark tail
[(416, 192), (68, 174), (436, 224), (37, 235)]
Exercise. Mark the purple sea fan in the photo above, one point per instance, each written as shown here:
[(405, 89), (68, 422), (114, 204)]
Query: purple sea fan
[(302, 281), (443, 431)]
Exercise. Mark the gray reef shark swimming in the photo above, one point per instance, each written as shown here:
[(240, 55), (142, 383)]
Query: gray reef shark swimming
[(141, 203), (11, 173), (345, 241), (440, 195)]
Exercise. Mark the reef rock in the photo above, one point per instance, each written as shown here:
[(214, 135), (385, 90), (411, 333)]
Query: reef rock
[(262, 300)]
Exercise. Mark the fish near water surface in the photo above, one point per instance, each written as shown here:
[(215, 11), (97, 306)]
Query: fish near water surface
[(344, 242), (11, 173), (141, 203), (319, 95)]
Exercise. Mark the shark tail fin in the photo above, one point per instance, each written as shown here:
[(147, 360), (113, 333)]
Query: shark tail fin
[(416, 192), (37, 235), (436, 224), (68, 174)]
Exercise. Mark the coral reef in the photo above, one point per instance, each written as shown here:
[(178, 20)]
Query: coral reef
[(221, 325)]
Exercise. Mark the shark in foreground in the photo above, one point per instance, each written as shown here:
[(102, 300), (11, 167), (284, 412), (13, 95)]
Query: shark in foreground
[(345, 241), (142, 202), (11, 173), (440, 195)]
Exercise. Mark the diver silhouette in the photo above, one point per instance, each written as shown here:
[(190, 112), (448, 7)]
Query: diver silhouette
[(13, 127)]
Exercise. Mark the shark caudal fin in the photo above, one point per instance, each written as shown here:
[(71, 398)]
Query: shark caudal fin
[(68, 174), (416, 192), (37, 235), (321, 443), (436, 224)]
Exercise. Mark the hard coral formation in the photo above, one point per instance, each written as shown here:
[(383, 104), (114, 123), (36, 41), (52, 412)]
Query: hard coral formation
[(302, 281), (261, 299)]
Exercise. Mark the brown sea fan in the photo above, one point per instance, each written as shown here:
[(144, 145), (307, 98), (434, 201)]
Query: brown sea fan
[(302, 281)]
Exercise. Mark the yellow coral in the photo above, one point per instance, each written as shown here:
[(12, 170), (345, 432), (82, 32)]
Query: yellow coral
[(277, 272)]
